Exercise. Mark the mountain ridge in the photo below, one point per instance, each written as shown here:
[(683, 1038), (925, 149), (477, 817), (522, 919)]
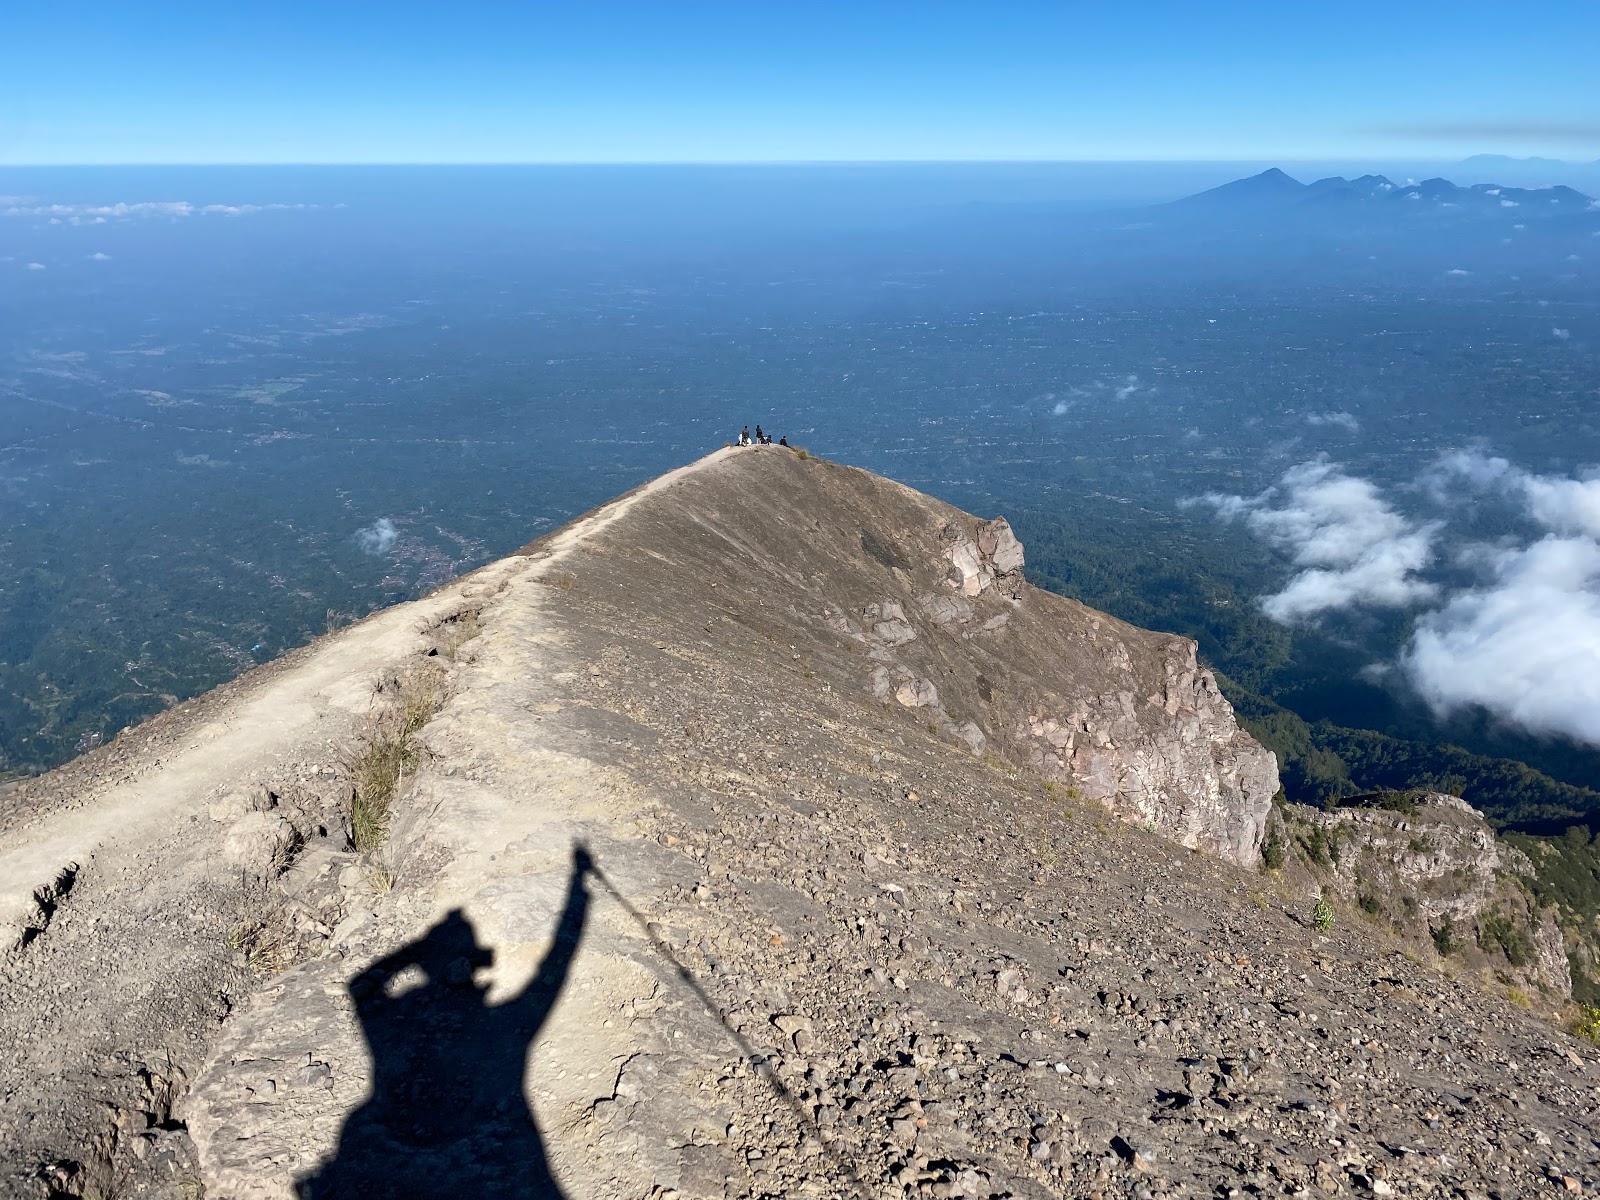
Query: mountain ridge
[(786, 802), (1273, 190)]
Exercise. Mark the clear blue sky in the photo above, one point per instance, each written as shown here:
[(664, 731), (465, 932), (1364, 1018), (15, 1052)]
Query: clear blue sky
[(765, 80)]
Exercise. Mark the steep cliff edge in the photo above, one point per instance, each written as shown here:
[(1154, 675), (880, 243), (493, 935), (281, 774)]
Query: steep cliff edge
[(749, 837)]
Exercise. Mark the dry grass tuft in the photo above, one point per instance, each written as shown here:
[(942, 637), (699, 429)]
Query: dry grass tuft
[(402, 705), (266, 945)]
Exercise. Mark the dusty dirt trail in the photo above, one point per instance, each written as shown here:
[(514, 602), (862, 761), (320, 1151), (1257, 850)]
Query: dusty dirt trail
[(511, 786), (119, 898)]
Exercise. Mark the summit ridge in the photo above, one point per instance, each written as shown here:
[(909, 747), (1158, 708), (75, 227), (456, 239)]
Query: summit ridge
[(794, 844)]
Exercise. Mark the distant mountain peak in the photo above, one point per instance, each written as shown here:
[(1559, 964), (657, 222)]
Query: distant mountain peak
[(1274, 191), (1268, 188)]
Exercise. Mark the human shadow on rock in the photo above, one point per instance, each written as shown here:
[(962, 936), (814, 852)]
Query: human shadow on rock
[(447, 1115)]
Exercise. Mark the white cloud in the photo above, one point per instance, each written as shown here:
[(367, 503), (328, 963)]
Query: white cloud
[(1457, 271), (1343, 419), (1351, 547), (100, 214), (1508, 204), (34, 267), (378, 538), (1560, 503), (1561, 334), (1526, 646), (99, 256), (1128, 388)]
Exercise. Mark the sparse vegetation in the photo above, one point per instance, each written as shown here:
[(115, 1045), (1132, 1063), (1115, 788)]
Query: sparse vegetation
[(1499, 932), (265, 944), (1519, 997), (1444, 938), (1586, 1024), (1315, 845), (403, 704), (455, 631), (1322, 915), (1272, 851)]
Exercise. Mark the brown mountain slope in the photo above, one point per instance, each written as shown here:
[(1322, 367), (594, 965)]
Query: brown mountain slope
[(750, 838)]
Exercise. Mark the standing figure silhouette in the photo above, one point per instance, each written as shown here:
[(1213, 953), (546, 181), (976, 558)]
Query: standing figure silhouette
[(447, 1114)]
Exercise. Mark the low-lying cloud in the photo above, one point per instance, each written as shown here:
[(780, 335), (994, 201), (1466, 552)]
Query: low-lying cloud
[(1342, 419), (102, 214), (1525, 646), (1522, 642), (1560, 503), (1350, 545), (378, 538)]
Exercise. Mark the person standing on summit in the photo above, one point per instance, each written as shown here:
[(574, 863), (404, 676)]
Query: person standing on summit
[(760, 441), (744, 436)]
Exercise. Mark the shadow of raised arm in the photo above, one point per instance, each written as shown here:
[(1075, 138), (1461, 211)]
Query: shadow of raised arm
[(534, 1002)]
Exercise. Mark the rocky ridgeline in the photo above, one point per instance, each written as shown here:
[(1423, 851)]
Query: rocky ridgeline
[(1429, 867), (770, 837)]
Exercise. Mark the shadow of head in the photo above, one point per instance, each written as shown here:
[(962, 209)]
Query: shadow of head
[(447, 955)]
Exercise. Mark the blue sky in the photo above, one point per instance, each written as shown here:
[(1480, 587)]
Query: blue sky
[(769, 81)]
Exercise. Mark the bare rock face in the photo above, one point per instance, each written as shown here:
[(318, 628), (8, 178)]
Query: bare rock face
[(1117, 715), (1431, 865), (1176, 761)]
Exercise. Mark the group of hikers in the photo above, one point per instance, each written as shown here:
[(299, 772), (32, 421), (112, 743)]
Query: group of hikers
[(761, 439)]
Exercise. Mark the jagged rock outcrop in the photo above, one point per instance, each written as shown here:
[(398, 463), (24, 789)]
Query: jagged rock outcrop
[(749, 838), (1430, 864), (1118, 715)]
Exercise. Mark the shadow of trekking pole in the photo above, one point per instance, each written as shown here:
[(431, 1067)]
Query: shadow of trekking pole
[(758, 1059)]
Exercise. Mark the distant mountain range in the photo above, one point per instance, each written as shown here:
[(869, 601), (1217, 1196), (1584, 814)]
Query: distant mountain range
[(1273, 191)]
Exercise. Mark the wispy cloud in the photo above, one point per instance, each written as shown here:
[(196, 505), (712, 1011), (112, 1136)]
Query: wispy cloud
[(34, 267), (1342, 419), (1562, 504), (1532, 129), (378, 538), (1523, 642), (102, 214), (1349, 544)]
